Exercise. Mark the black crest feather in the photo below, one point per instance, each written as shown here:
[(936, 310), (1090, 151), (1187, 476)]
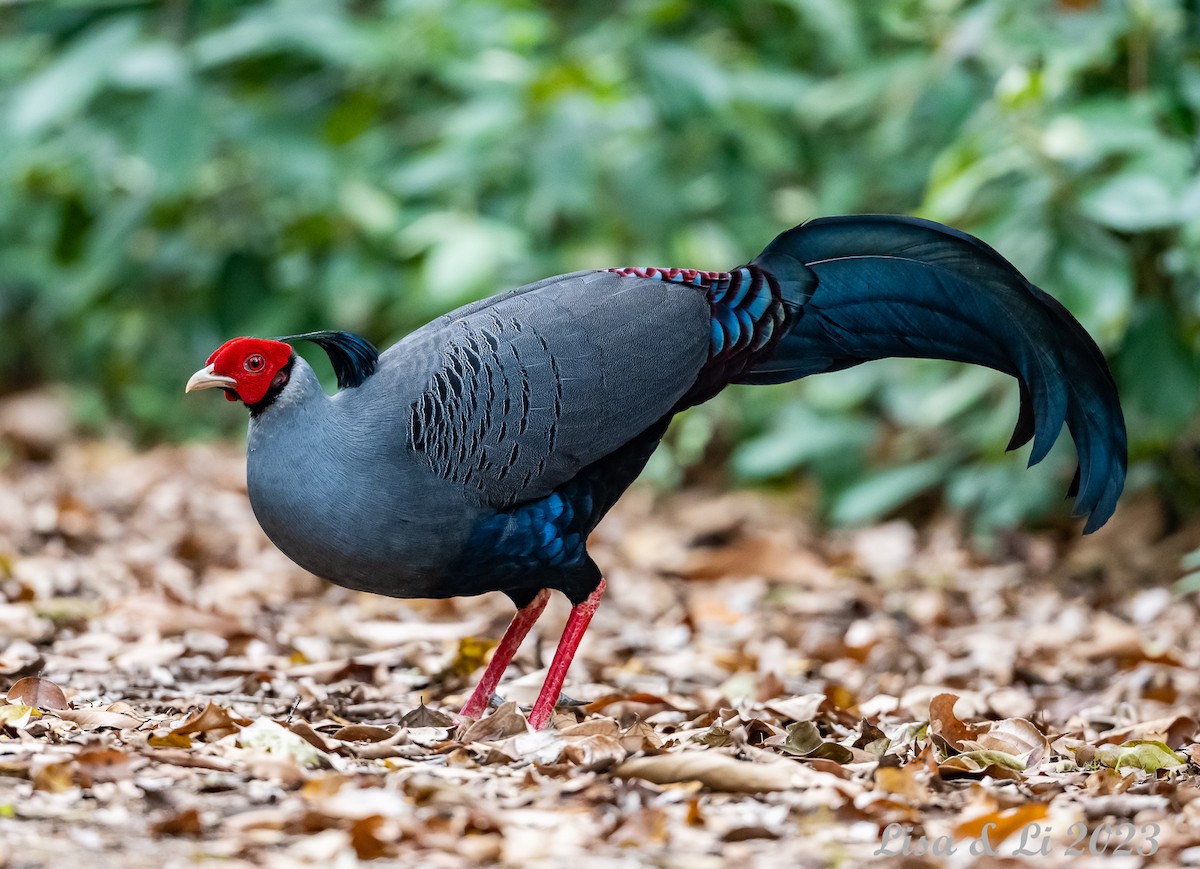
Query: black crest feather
[(353, 357)]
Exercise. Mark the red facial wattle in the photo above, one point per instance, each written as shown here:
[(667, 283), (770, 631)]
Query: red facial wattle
[(251, 363)]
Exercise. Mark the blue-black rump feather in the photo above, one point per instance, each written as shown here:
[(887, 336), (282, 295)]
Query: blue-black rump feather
[(353, 357)]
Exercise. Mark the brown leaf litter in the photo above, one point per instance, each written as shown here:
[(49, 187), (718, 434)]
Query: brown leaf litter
[(752, 691)]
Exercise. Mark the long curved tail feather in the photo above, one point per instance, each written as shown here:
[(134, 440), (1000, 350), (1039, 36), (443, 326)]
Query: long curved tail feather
[(901, 286)]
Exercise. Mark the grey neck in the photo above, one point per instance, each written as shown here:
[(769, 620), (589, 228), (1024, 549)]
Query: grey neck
[(302, 399)]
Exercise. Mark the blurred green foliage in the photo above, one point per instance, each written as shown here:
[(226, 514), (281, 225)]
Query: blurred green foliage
[(176, 173)]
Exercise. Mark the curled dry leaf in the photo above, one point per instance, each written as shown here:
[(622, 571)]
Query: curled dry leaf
[(213, 722), (423, 716), (38, 692), (312, 737), (504, 722), (1011, 736), (801, 708), (192, 759), (712, 769), (871, 739), (594, 752), (19, 657), (804, 740), (641, 736), (98, 719), (364, 733), (1010, 744), (944, 723), (637, 699), (1106, 781), (591, 727), (1176, 731), (646, 827), (977, 764), (714, 737), (372, 837)]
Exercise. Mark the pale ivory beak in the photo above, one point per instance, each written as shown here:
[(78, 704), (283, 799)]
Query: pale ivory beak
[(205, 379)]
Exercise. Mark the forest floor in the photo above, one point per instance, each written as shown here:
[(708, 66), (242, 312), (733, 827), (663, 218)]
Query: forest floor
[(754, 692)]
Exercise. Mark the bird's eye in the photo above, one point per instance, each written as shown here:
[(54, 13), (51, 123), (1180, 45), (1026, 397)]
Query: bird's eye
[(255, 364)]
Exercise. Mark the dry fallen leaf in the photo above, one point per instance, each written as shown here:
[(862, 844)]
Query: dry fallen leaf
[(908, 781), (1176, 731), (364, 733), (170, 740), (944, 723), (999, 825), (184, 823), (39, 693), (96, 719), (55, 776), (1011, 736), (213, 722), (273, 738), (593, 752), (504, 722), (803, 708), (804, 740), (423, 716), (16, 715), (636, 699), (717, 771), (99, 764), (372, 836), (976, 764)]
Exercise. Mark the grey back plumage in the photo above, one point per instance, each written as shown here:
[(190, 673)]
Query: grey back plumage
[(532, 386)]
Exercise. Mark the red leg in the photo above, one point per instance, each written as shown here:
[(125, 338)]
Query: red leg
[(577, 624), (517, 629)]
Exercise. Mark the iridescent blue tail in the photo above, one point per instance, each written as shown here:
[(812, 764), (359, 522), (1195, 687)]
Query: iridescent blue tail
[(870, 287)]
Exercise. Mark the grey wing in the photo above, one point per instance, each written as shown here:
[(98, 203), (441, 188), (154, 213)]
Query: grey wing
[(534, 385)]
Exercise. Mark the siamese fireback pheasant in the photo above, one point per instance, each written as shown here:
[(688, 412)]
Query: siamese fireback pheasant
[(477, 454)]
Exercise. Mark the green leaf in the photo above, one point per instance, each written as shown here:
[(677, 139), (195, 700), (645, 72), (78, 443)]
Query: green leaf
[(975, 764), (798, 436), (306, 27), (1131, 202), (1159, 371), (1096, 284), (73, 79), (174, 138), (1146, 754), (886, 490)]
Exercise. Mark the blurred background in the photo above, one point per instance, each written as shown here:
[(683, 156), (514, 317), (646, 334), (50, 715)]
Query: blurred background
[(176, 173)]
